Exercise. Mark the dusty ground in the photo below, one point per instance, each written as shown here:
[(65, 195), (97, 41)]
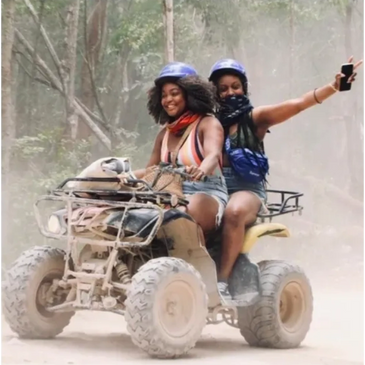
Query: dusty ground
[(335, 338)]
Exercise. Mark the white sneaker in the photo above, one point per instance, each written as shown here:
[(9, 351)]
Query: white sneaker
[(224, 292)]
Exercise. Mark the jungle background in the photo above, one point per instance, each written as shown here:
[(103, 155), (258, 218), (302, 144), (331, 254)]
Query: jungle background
[(75, 75)]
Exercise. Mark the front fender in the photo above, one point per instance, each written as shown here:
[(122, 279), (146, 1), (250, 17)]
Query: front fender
[(183, 239), (263, 229)]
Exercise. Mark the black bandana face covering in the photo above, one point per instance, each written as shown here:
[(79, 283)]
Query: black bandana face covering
[(249, 162), (232, 107)]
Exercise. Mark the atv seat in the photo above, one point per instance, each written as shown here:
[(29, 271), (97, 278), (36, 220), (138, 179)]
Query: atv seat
[(142, 221), (136, 221)]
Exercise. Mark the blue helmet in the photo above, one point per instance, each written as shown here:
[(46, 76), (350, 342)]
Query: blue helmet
[(175, 70), (228, 65)]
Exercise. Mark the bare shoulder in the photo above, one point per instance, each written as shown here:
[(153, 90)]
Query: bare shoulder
[(160, 135), (210, 121)]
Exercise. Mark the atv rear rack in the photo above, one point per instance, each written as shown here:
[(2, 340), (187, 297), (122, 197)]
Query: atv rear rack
[(289, 203)]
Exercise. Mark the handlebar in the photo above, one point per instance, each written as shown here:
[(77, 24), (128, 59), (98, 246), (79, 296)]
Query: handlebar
[(88, 179), (179, 171), (182, 172)]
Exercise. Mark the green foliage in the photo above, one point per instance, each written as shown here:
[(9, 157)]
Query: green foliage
[(43, 162), (257, 32), (55, 157), (48, 8), (140, 29)]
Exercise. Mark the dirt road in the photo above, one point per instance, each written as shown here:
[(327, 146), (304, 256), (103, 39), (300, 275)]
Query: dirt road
[(336, 338)]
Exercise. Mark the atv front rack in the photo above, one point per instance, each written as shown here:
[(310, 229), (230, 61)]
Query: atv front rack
[(71, 202), (126, 200), (147, 195), (289, 203)]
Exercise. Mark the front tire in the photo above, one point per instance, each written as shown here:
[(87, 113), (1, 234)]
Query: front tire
[(282, 317), (166, 307), (25, 282)]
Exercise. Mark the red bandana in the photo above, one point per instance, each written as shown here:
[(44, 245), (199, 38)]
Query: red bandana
[(179, 125)]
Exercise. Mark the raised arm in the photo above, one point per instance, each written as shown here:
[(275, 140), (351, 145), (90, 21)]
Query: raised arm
[(269, 115)]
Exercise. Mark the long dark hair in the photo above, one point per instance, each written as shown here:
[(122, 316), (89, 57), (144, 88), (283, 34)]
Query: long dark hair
[(200, 97), (243, 119), (238, 110)]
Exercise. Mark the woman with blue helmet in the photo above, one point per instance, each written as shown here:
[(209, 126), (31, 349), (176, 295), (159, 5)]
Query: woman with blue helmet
[(183, 103), (244, 162)]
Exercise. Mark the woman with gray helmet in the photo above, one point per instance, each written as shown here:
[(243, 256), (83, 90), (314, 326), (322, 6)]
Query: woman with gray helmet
[(245, 164)]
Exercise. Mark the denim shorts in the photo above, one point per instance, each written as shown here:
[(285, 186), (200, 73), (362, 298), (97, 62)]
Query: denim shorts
[(214, 186), (236, 183)]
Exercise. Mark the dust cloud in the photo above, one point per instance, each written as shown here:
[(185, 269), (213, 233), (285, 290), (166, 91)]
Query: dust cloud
[(318, 153)]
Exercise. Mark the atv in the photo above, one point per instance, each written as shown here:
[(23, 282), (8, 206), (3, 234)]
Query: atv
[(135, 252)]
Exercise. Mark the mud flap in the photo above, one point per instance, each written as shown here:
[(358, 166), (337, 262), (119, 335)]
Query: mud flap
[(244, 283)]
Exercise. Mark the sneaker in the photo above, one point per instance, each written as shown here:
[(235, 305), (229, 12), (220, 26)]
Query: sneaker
[(224, 292)]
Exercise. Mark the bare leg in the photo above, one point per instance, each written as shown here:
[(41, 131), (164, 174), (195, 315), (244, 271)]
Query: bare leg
[(204, 209), (241, 211), (200, 231)]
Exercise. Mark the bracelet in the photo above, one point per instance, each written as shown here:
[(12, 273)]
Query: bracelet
[(315, 97), (333, 87)]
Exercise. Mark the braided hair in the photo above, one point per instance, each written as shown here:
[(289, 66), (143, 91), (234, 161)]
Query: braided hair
[(240, 114)]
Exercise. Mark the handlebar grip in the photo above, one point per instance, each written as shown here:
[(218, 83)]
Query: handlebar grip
[(204, 178)]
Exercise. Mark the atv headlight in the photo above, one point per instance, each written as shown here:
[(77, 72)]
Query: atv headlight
[(54, 225)]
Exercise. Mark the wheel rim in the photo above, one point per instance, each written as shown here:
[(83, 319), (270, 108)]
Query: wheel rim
[(292, 306), (40, 298), (176, 308)]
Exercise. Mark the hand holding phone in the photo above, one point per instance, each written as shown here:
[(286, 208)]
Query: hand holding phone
[(347, 75), (347, 70)]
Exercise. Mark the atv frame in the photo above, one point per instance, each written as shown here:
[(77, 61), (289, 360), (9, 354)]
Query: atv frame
[(122, 249)]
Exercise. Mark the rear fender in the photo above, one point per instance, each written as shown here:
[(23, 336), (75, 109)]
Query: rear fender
[(260, 230), (182, 236)]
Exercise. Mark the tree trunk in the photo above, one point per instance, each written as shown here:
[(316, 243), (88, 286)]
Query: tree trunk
[(122, 69), (70, 64), (50, 78), (168, 20), (353, 121), (14, 93), (292, 43), (8, 125), (94, 33)]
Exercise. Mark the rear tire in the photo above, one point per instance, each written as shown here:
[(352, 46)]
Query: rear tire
[(166, 307), (282, 317), (32, 272)]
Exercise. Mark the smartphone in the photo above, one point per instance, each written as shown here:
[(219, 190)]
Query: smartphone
[(347, 69)]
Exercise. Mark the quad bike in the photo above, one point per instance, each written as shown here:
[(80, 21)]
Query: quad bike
[(134, 253)]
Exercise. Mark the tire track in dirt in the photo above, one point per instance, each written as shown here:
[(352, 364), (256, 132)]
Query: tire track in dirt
[(335, 338)]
